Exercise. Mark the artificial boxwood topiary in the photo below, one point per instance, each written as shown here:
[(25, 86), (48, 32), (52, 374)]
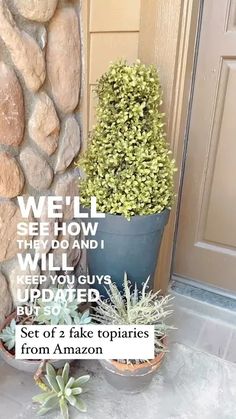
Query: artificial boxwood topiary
[(127, 164)]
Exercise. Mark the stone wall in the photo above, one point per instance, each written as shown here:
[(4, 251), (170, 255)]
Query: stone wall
[(40, 73)]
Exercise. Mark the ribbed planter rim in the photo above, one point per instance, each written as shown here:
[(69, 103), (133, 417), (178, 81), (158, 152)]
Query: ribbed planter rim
[(120, 225), (153, 363), (132, 217)]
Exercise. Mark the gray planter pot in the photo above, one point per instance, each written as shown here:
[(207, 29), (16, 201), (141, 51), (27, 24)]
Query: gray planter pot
[(131, 378), (130, 246), (29, 366)]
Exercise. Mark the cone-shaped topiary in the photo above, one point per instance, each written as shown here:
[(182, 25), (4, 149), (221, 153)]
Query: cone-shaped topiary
[(127, 164)]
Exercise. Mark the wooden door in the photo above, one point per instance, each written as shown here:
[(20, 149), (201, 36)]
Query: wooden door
[(206, 238)]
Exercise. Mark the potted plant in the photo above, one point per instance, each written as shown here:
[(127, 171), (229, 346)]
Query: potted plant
[(67, 313), (59, 390), (135, 308), (128, 168)]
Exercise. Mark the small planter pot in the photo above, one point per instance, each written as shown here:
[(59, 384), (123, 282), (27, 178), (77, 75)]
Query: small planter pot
[(131, 378), (29, 366), (129, 246)]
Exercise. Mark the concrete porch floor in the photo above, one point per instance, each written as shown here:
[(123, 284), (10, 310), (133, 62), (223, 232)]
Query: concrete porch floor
[(197, 380)]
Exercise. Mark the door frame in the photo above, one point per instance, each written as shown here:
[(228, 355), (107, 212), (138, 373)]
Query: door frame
[(169, 32)]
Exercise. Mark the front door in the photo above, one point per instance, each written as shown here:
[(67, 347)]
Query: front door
[(206, 238)]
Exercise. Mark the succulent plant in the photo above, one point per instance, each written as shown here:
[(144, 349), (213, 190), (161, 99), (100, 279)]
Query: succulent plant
[(128, 164), (136, 307), (8, 335), (61, 391), (61, 310), (83, 318)]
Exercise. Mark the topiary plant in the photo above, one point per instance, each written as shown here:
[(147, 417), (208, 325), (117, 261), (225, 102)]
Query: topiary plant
[(127, 164)]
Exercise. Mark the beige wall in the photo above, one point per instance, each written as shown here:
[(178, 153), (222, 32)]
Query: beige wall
[(160, 32), (111, 31)]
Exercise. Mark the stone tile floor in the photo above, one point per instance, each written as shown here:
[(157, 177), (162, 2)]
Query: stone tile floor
[(205, 327), (197, 380)]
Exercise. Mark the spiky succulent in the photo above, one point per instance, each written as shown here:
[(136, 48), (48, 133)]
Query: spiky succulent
[(83, 318), (61, 391), (61, 310), (136, 307), (8, 335)]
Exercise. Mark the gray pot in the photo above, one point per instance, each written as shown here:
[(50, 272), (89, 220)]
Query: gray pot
[(130, 246), (25, 365), (131, 378)]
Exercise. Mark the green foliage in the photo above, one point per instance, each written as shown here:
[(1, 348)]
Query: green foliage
[(127, 164), (136, 307), (61, 391), (62, 310), (8, 335)]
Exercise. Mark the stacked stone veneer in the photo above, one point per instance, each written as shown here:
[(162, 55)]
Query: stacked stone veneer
[(40, 72)]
